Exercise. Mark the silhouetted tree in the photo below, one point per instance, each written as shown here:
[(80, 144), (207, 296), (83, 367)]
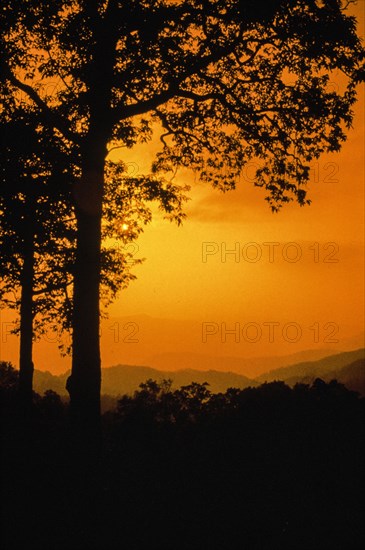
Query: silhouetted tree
[(228, 80), (37, 234), (38, 230)]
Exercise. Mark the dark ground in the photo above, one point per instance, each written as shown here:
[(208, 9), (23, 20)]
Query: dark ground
[(264, 468)]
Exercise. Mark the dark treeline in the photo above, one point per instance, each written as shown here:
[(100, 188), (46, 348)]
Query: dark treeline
[(261, 468)]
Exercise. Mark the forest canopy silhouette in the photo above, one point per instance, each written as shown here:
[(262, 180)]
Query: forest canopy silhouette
[(260, 468)]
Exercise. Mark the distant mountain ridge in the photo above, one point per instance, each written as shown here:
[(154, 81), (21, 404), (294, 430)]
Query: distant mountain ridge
[(125, 379), (307, 370), (251, 367), (347, 367)]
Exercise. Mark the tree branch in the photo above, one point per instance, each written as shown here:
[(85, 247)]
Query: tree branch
[(56, 120), (49, 288), (195, 65)]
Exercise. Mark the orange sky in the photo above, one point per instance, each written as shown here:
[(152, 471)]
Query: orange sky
[(183, 296)]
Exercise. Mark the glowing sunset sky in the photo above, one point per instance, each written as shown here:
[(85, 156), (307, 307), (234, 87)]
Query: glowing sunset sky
[(324, 289)]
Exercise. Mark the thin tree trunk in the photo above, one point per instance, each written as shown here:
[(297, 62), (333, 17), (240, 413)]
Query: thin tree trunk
[(85, 381), (26, 367)]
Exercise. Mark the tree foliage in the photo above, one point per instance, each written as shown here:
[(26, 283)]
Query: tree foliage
[(35, 203), (228, 81)]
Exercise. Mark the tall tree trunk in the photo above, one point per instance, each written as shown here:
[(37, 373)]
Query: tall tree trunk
[(85, 381), (26, 367)]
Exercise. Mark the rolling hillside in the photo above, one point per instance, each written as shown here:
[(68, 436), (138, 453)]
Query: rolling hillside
[(125, 379), (348, 368)]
